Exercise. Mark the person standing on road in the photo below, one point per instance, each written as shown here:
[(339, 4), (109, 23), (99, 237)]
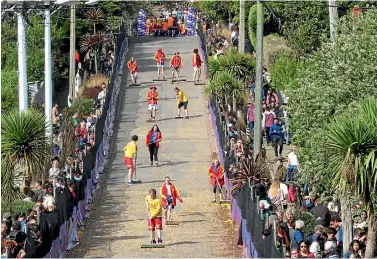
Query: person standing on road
[(292, 163), (152, 141), (169, 195), (197, 65), (176, 64), (277, 137), (132, 66), (152, 98), (155, 216), (129, 151), (160, 59), (216, 173), (182, 102)]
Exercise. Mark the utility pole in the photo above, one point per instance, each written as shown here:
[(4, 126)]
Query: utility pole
[(72, 62), (333, 13), (241, 45), (23, 93), (48, 73), (258, 80)]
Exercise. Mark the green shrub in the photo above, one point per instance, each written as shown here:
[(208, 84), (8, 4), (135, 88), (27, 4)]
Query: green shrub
[(18, 207), (285, 70), (83, 106)]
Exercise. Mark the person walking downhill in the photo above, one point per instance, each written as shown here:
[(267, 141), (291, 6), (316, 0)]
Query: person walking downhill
[(155, 216), (277, 137), (268, 119), (176, 64), (129, 151), (182, 102), (132, 66), (160, 59), (216, 173), (152, 141), (169, 195), (152, 98), (197, 65), (251, 117)]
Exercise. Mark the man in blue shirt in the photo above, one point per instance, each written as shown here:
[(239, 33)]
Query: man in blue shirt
[(277, 137)]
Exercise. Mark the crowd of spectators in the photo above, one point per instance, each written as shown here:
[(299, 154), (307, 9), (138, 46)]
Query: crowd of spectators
[(282, 201)]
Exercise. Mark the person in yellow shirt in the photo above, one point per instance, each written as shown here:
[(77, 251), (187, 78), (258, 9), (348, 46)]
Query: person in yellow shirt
[(155, 216), (129, 151), (181, 102)]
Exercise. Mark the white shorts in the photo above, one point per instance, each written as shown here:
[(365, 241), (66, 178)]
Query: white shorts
[(160, 65), (197, 68), (152, 107), (134, 74)]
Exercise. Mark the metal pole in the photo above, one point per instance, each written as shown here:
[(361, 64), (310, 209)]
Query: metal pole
[(48, 74), (23, 93), (333, 13), (258, 81), (72, 62), (241, 46)]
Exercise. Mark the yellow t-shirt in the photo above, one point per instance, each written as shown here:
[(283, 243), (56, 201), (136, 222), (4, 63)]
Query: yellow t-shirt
[(154, 205), (148, 22), (130, 149), (159, 21), (181, 97)]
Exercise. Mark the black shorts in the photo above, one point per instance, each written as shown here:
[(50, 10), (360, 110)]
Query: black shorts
[(184, 104), (176, 69)]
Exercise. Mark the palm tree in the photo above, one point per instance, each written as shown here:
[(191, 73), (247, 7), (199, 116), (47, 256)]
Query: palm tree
[(94, 42), (23, 142), (95, 16), (11, 180), (226, 87), (352, 147)]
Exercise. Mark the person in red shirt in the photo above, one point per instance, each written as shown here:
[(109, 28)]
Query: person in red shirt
[(152, 98), (176, 64), (196, 64), (160, 59), (152, 141), (81, 134), (216, 174), (132, 66), (169, 195)]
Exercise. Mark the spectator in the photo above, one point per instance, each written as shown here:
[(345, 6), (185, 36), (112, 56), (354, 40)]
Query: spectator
[(304, 250), (321, 213), (38, 191), (318, 245), (274, 193), (55, 118), (330, 249), (363, 223), (276, 137), (102, 97), (294, 253), (82, 134), (298, 234), (268, 121), (336, 223), (280, 170), (318, 230), (251, 117), (354, 250), (54, 170), (29, 196), (292, 163)]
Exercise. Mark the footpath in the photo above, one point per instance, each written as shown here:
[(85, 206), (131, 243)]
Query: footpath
[(118, 225)]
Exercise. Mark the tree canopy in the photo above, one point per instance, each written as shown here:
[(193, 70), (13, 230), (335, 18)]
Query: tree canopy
[(336, 79)]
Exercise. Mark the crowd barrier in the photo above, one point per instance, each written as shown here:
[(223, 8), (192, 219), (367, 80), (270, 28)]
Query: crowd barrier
[(244, 205), (68, 237)]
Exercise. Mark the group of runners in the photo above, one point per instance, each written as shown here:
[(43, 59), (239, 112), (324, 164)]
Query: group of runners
[(175, 64), (161, 207)]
